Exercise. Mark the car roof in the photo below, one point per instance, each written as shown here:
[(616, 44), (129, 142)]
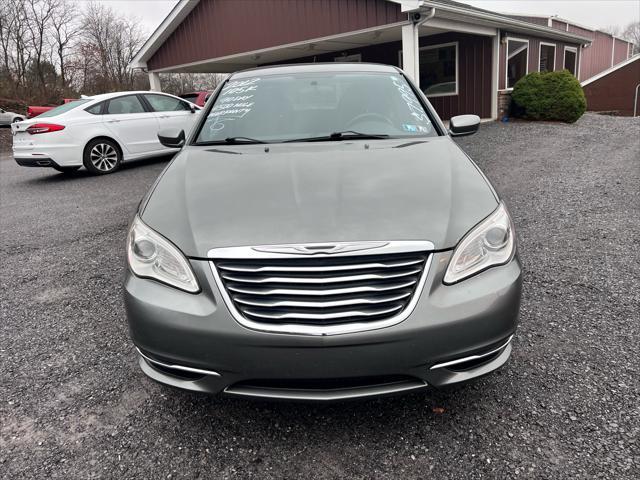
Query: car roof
[(106, 96), (321, 67)]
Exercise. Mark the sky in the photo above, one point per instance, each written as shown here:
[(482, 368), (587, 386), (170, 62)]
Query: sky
[(591, 13)]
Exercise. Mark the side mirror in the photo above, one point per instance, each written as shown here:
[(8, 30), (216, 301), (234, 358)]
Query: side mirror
[(171, 138), (193, 109), (461, 125)]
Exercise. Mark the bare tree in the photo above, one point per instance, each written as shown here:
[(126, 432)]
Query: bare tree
[(65, 31), (114, 40), (55, 48), (7, 22), (632, 34), (38, 20), (179, 83), (614, 30)]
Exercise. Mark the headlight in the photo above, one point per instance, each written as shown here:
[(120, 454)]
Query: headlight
[(490, 243), (151, 255)]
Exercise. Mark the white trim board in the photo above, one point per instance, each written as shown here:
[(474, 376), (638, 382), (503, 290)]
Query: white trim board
[(506, 60), (564, 59)]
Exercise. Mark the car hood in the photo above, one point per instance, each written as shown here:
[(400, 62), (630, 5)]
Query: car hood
[(223, 196)]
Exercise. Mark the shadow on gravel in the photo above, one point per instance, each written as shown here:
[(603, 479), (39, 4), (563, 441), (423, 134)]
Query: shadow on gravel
[(84, 174)]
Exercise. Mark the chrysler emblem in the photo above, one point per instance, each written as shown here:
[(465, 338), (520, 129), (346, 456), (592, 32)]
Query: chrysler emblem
[(320, 248)]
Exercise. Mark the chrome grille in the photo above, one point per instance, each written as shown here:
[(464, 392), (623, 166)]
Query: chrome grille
[(322, 291)]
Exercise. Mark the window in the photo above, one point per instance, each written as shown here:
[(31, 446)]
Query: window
[(298, 106), (164, 103), (95, 109), (547, 58), (571, 59), (62, 108), (517, 60), (439, 70), (124, 105)]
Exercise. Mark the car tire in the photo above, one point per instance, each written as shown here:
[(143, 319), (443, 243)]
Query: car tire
[(65, 169), (102, 156), (17, 119)]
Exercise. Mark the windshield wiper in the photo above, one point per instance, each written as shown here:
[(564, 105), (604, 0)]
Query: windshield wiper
[(344, 135), (233, 141)]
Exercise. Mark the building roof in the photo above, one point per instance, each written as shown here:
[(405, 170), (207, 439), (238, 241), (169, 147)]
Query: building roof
[(447, 9), (175, 17), (563, 20), (454, 9), (606, 72)]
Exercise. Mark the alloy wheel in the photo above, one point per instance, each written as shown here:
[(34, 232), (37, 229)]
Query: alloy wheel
[(104, 157)]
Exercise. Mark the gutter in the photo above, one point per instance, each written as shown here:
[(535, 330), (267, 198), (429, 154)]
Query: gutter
[(416, 36), (505, 22)]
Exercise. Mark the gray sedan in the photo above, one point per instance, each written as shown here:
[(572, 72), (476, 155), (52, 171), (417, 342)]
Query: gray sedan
[(321, 237)]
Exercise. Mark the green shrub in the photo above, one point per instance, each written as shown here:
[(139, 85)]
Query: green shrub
[(549, 96)]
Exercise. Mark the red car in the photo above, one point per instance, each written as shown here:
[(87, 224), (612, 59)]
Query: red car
[(33, 111), (199, 98)]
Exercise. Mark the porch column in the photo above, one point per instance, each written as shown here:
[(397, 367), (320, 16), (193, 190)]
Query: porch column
[(495, 74), (154, 81), (410, 54)]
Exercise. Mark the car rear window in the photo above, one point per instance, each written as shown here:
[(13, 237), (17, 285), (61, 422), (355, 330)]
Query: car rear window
[(64, 108), (95, 109)]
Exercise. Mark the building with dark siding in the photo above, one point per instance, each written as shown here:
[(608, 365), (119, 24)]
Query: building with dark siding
[(463, 58)]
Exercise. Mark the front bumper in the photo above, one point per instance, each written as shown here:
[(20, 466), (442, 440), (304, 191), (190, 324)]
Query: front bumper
[(193, 342)]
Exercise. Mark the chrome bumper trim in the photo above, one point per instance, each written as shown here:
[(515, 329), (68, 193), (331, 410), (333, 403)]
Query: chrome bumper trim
[(326, 395), (178, 367), (472, 357)]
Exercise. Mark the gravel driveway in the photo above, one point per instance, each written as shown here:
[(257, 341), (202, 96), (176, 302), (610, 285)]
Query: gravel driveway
[(73, 403)]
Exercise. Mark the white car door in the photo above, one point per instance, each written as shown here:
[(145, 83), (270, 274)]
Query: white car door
[(171, 112), (132, 124)]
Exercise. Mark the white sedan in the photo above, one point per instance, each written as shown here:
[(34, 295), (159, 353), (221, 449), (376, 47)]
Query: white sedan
[(7, 118), (100, 132)]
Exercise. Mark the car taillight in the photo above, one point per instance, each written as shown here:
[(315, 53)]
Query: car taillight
[(44, 128)]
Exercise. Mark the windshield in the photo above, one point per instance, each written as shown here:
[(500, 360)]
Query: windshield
[(311, 106), (63, 108)]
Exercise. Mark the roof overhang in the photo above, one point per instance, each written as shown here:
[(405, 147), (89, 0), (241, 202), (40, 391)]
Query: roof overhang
[(448, 17), (283, 53), (164, 30), (459, 12)]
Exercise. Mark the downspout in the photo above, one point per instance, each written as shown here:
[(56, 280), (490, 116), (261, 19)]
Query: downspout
[(416, 37)]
